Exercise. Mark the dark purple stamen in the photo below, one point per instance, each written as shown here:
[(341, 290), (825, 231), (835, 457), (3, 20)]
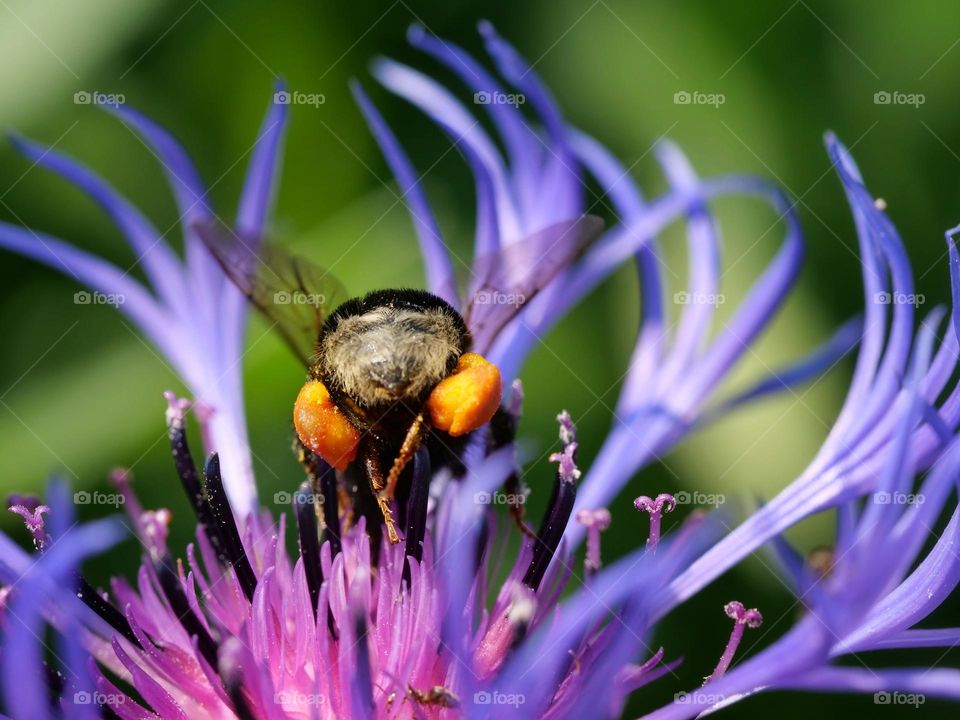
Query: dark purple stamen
[(362, 685), (551, 531), (323, 480), (222, 515), (189, 477), (560, 507), (209, 499), (304, 509), (173, 591), (417, 509), (320, 486), (106, 610)]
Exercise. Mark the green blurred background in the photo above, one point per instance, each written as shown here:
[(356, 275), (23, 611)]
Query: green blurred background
[(81, 392)]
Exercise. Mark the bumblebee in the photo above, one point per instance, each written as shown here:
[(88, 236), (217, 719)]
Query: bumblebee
[(389, 366), (391, 369)]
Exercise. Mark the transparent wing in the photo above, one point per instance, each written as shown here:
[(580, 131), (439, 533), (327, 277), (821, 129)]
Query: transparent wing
[(292, 292), (505, 281)]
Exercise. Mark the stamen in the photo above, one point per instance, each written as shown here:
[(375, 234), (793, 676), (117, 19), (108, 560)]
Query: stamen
[(173, 591), (106, 610), (222, 515), (560, 506), (417, 509), (323, 480), (657, 507), (304, 501), (187, 470), (362, 684), (742, 618), (596, 521), (32, 511)]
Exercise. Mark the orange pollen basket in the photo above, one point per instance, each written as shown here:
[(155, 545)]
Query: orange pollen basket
[(322, 428), (468, 398)]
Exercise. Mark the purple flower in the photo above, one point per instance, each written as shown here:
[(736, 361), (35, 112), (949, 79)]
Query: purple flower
[(350, 627), (192, 314), (878, 581)]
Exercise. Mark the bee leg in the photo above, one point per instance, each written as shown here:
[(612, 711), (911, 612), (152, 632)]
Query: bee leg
[(407, 450), (374, 472)]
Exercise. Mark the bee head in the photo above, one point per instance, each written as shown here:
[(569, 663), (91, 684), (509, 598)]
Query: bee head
[(391, 346)]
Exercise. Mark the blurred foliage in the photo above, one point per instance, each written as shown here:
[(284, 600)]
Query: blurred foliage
[(81, 392)]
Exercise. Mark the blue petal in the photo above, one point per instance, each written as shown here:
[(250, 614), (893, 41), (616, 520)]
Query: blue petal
[(521, 142), (823, 358), (917, 596), (638, 578), (256, 201), (500, 223), (703, 242), (205, 275), (932, 682), (436, 257), (21, 669), (924, 638), (159, 262), (560, 182), (104, 277)]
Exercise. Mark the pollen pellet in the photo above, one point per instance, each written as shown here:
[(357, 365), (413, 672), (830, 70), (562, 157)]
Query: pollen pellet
[(468, 398), (322, 427)]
